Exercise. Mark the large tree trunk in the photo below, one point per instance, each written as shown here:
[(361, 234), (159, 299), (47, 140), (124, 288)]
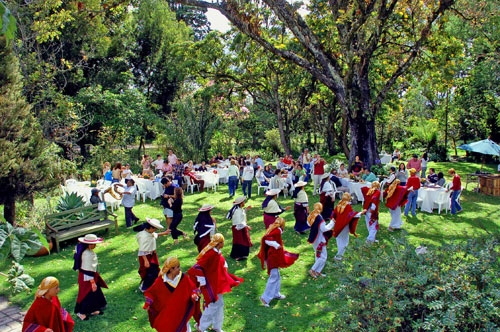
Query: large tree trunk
[(9, 209)]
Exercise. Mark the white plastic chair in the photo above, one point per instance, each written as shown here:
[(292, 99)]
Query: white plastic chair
[(443, 200), (71, 182), (335, 191), (259, 186), (142, 190), (190, 185)]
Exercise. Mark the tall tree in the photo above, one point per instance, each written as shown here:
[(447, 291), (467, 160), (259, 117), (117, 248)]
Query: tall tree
[(344, 38), (25, 166)]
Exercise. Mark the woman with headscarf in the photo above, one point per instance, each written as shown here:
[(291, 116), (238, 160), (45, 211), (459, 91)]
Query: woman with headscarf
[(241, 237), (396, 197), (346, 221), (273, 255), (204, 226), (46, 314), (326, 196), (90, 300), (149, 265), (271, 207), (370, 207), (318, 236), (210, 273), (172, 299), (301, 208)]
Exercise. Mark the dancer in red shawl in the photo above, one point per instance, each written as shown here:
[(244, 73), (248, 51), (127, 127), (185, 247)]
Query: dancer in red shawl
[(241, 236), (273, 254), (46, 314), (346, 221), (210, 272), (318, 236), (396, 197), (172, 299), (149, 267), (90, 300), (370, 207)]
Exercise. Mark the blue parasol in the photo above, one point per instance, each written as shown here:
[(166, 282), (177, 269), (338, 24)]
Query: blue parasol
[(486, 146)]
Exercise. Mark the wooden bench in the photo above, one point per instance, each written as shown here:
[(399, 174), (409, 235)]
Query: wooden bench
[(77, 222)]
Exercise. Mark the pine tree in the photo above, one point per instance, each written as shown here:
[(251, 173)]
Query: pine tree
[(25, 160)]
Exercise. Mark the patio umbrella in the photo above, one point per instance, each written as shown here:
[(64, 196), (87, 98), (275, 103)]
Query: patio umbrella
[(486, 146)]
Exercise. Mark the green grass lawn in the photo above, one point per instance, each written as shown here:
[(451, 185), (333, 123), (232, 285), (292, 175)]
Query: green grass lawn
[(307, 304)]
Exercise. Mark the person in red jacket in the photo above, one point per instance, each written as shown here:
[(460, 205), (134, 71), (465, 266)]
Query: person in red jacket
[(172, 299), (456, 189), (370, 206), (413, 185), (273, 254), (46, 314), (210, 273)]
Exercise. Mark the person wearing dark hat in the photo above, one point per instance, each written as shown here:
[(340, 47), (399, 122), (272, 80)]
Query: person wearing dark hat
[(46, 313), (95, 196), (204, 226), (300, 208), (271, 207), (90, 300), (128, 201), (240, 228), (172, 299), (273, 255), (211, 274), (148, 259)]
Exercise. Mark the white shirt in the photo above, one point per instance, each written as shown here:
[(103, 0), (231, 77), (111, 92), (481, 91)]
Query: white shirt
[(172, 159), (272, 207), (302, 197), (128, 201), (248, 173), (158, 164), (89, 263), (239, 218)]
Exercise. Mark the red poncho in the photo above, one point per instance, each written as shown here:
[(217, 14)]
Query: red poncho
[(398, 198), (44, 314), (275, 258), (346, 218), (170, 309), (369, 199)]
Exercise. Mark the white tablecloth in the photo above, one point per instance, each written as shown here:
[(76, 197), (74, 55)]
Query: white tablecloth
[(222, 174), (428, 197), (355, 188), (385, 158), (211, 179), (155, 188)]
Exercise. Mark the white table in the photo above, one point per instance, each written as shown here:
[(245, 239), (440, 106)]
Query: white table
[(154, 188), (210, 177), (429, 196), (223, 178), (355, 188)]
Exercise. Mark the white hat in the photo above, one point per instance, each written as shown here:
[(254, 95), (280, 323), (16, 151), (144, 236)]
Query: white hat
[(206, 207), (90, 239), (326, 175), (155, 223), (239, 200), (300, 184), (272, 192)]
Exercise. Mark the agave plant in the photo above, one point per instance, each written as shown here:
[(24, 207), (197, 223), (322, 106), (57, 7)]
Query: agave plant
[(69, 201)]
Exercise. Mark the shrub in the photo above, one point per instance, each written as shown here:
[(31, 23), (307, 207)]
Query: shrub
[(69, 201), (450, 288)]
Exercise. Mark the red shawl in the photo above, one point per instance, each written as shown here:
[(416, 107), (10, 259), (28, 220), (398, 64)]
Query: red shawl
[(170, 309), (275, 258), (398, 198), (369, 199), (346, 218), (218, 279), (44, 314)]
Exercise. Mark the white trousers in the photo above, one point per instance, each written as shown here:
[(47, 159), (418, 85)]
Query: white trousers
[(273, 286), (342, 241), (317, 182), (396, 221), (319, 262), (372, 229), (213, 315)]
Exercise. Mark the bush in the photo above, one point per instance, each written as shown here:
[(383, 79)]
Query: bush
[(450, 288)]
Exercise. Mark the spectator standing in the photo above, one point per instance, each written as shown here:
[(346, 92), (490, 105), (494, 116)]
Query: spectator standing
[(413, 185), (172, 158), (248, 174), (158, 163), (306, 162), (128, 201), (456, 188), (415, 163), (233, 174), (319, 170), (424, 160)]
